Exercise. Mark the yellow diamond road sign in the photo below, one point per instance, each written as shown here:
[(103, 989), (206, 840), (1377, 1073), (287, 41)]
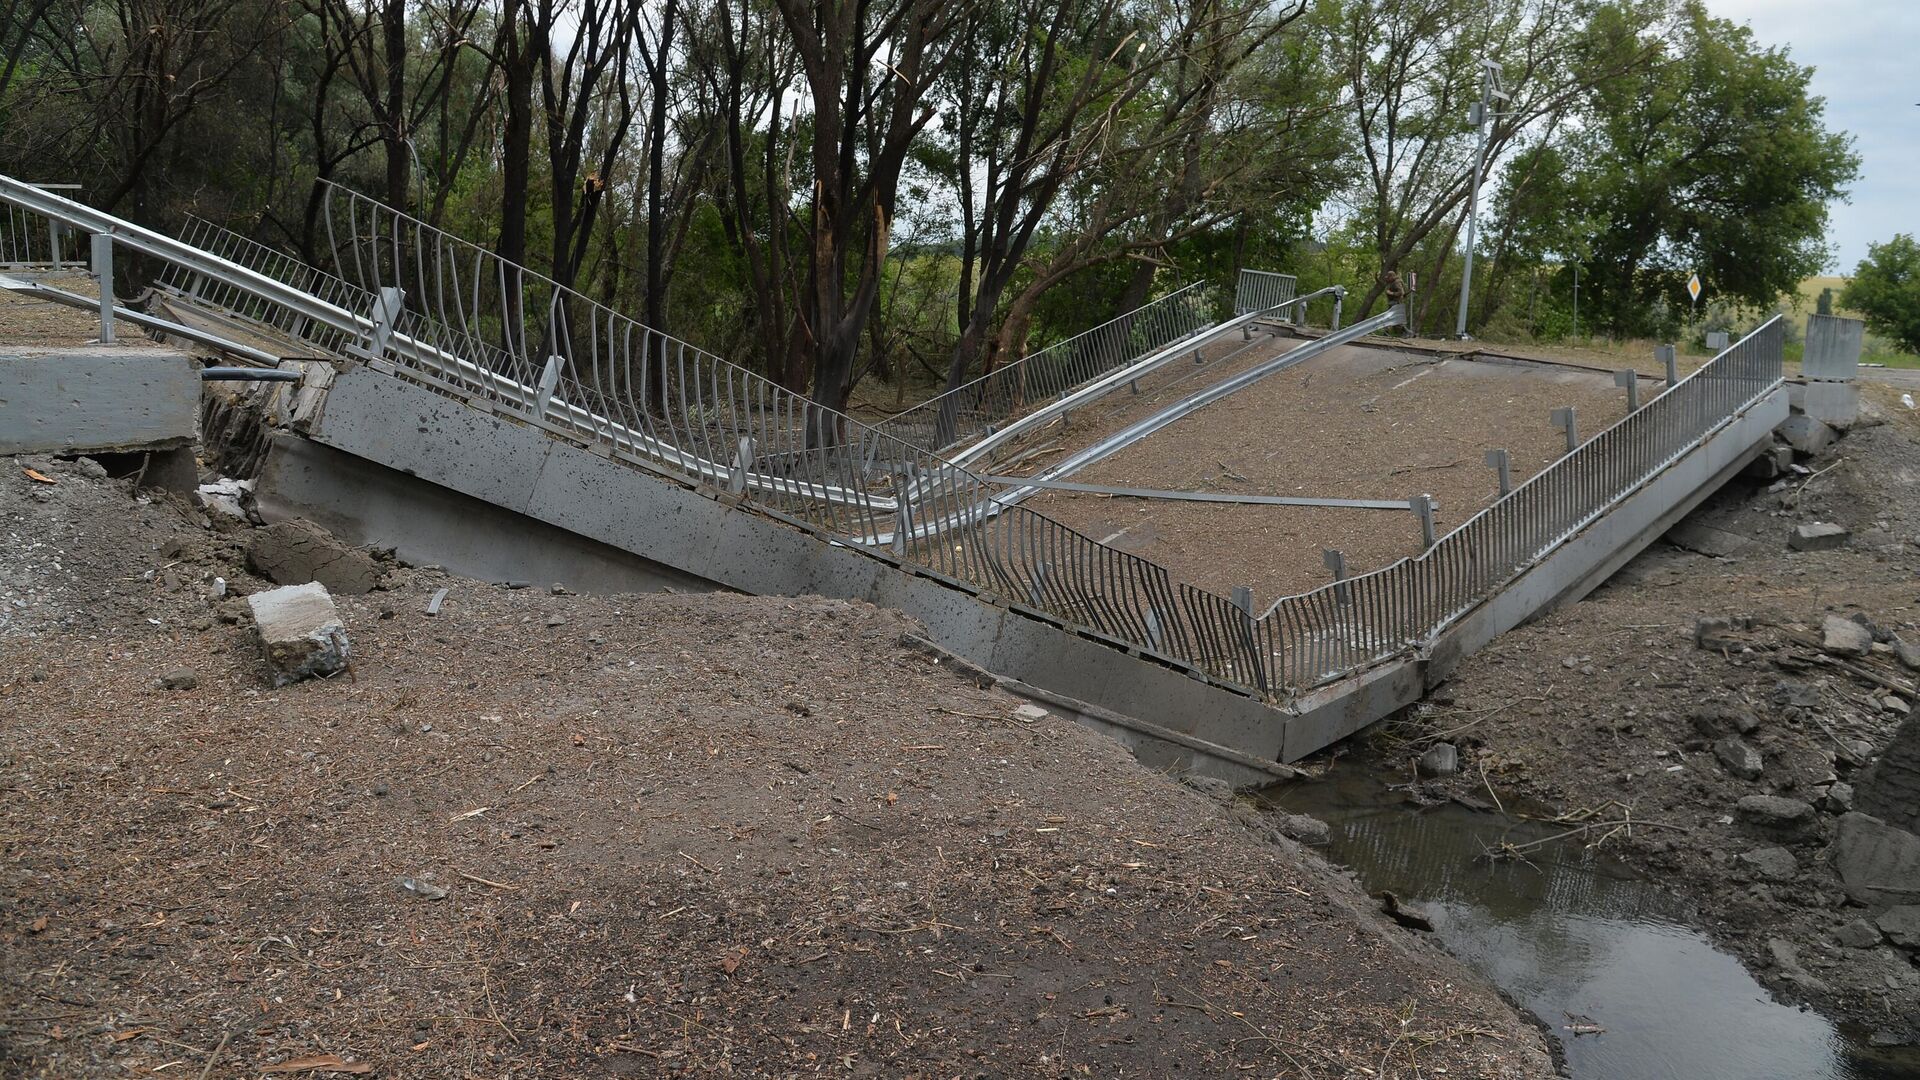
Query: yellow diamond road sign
[(1693, 287)]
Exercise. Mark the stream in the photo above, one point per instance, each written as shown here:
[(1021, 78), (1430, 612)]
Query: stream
[(1582, 940)]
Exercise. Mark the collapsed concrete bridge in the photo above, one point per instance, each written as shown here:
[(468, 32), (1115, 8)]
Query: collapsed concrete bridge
[(473, 413)]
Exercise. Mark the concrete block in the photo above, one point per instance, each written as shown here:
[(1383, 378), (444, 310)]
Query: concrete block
[(97, 398), (1806, 434), (1818, 536), (1833, 347), (1836, 404), (301, 630)]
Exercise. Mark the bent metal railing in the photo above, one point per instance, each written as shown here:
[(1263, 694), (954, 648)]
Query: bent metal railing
[(1263, 290), (717, 424), (976, 408), (1351, 624)]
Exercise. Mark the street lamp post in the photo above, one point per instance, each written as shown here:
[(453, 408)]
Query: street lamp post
[(1480, 114)]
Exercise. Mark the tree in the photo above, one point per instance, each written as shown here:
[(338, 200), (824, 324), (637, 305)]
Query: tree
[(1714, 159), (1886, 289)]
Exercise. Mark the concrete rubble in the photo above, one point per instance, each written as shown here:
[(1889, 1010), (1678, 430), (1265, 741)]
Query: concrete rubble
[(301, 631), (298, 551), (1819, 536)]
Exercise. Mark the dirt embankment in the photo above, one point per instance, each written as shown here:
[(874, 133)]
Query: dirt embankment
[(1692, 681), (647, 835)]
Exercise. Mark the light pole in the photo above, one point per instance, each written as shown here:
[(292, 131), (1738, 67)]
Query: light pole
[(1480, 114)]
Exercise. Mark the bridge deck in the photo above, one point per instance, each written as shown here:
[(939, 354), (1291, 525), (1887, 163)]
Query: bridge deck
[(1360, 422)]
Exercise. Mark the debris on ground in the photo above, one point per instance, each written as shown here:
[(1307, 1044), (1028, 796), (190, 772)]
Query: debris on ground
[(301, 632)]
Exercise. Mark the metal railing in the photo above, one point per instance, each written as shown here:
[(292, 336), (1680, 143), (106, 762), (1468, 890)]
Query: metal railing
[(1263, 290), (1348, 625), (32, 241), (977, 408)]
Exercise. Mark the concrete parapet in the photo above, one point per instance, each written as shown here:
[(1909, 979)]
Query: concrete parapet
[(96, 399)]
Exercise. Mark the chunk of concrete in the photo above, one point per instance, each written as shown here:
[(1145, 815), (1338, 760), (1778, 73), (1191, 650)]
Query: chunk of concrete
[(1858, 934), (296, 552), (1877, 863), (1738, 758), (1906, 651), (1844, 637), (1303, 829), (1774, 813), (301, 630), (1805, 434), (1819, 536)]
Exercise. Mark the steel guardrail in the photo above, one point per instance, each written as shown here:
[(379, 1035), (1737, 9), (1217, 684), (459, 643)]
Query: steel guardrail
[(978, 407)]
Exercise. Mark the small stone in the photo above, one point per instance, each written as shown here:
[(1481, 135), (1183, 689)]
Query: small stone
[(180, 679), (555, 620), (1441, 759), (1907, 651), (1029, 713), (1901, 924), (301, 630), (1839, 798), (425, 890), (1772, 863), (1714, 721), (1844, 637), (1818, 536), (560, 590), (1894, 705), (1858, 934), (1774, 813), (1303, 829), (1738, 758), (1711, 632)]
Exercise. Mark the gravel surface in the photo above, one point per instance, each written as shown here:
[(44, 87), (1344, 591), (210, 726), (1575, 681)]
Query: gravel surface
[(30, 322), (1610, 711), (644, 835), (1356, 423)]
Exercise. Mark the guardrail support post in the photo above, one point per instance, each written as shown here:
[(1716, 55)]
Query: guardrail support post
[(1155, 635), (1669, 356), (1337, 564), (386, 310), (1629, 380), (903, 514), (549, 379), (103, 272), (1423, 508), (1339, 294), (737, 475), (1501, 463), (1565, 419)]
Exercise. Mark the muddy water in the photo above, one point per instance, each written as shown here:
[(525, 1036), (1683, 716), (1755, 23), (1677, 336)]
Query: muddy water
[(1583, 941)]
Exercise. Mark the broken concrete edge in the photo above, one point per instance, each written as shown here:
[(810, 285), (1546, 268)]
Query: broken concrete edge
[(1264, 772), (301, 632)]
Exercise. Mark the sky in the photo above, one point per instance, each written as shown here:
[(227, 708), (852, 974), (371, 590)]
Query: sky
[(1866, 60)]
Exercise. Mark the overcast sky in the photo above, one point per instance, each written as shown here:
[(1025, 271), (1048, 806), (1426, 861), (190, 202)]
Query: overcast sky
[(1866, 60)]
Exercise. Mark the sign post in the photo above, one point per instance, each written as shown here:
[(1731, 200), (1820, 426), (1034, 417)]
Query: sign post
[(1693, 294)]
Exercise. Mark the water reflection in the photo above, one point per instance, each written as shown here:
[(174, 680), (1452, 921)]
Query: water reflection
[(1568, 933)]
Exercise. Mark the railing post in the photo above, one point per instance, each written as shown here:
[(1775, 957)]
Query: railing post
[(549, 380), (1337, 564), (54, 230), (1156, 636), (1629, 380), (1339, 295), (1670, 356), (386, 311), (1502, 463), (1423, 507), (903, 510), (743, 457), (103, 272), (1565, 419)]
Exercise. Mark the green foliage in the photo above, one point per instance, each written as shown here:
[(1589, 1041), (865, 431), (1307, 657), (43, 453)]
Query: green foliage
[(1886, 290), (1712, 158)]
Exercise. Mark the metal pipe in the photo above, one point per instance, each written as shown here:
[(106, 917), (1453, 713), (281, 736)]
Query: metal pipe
[(248, 374)]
